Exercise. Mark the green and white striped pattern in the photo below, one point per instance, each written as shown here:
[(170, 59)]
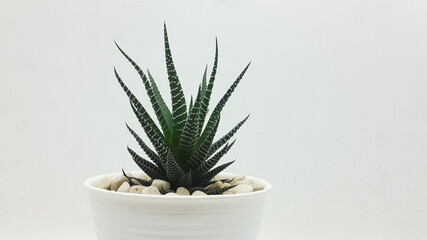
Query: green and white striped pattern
[(183, 151), (179, 107)]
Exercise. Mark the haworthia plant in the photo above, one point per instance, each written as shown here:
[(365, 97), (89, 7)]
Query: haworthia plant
[(185, 153)]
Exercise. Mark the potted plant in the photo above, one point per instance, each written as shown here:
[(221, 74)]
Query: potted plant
[(179, 194)]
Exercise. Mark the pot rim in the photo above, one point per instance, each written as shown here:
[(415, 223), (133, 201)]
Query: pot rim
[(88, 183)]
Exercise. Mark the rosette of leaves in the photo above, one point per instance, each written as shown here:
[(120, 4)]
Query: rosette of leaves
[(185, 153)]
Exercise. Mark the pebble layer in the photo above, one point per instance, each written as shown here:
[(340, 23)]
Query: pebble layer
[(159, 187)]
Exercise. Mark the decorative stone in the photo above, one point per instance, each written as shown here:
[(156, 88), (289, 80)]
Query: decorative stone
[(227, 192), (216, 178), (103, 183), (136, 189), (244, 188), (117, 182), (236, 179), (142, 176), (198, 193), (216, 185), (125, 187), (183, 191), (256, 186), (152, 190), (161, 185), (171, 193), (242, 182)]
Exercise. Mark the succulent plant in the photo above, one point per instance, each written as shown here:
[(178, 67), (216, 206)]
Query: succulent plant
[(185, 153)]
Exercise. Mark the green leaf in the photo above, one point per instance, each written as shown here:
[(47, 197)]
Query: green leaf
[(204, 85), (150, 153), (208, 176), (206, 166), (162, 105), (190, 133), (189, 137), (200, 154), (186, 180), (207, 91), (217, 110), (149, 168), (152, 96), (191, 104), (173, 170), (156, 139), (226, 137), (150, 128), (179, 107)]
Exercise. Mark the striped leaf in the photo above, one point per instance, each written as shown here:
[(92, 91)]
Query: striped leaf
[(154, 101), (149, 168), (209, 164), (162, 105), (217, 110), (179, 107), (147, 123), (200, 154), (186, 180), (207, 90), (190, 133), (204, 84), (226, 137), (208, 176), (191, 104), (156, 139), (150, 153), (189, 136), (173, 170)]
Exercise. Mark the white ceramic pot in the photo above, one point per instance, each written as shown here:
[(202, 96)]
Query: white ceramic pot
[(125, 216)]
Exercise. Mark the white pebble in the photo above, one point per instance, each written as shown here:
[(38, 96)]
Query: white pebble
[(136, 189), (216, 185), (142, 176), (171, 193), (216, 178), (236, 179), (103, 183), (161, 184), (255, 185), (151, 190), (117, 182), (244, 188), (198, 193), (183, 191), (241, 182), (125, 187)]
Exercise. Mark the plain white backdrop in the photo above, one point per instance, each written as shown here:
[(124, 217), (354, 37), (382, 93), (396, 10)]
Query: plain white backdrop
[(336, 91)]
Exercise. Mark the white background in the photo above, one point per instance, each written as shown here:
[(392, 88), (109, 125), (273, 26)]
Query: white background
[(336, 92)]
